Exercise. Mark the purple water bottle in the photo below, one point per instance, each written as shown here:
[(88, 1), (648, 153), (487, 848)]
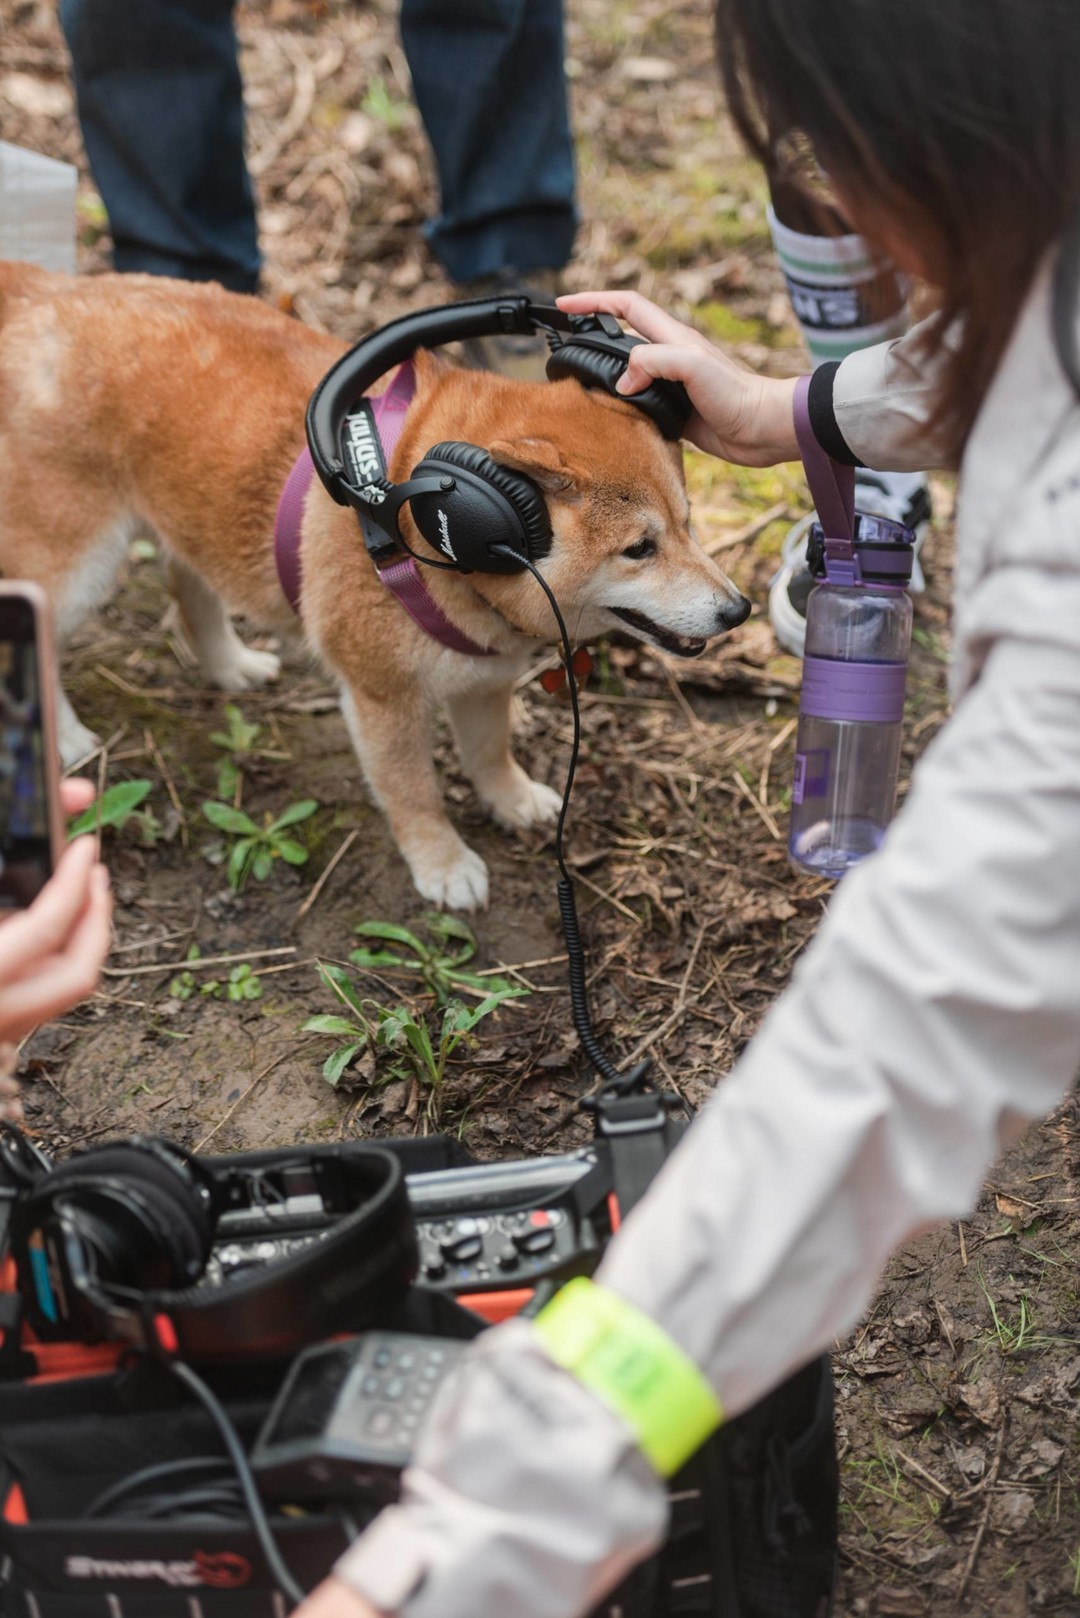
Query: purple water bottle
[(858, 635)]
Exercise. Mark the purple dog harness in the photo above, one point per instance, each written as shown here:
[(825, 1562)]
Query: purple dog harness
[(402, 578)]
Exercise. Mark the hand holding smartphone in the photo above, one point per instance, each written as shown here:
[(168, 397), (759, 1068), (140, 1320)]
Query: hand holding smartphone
[(55, 908), (31, 819)]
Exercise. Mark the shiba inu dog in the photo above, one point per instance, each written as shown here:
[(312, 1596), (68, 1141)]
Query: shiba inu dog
[(134, 402)]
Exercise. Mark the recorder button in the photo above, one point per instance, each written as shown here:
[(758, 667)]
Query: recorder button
[(380, 1424)]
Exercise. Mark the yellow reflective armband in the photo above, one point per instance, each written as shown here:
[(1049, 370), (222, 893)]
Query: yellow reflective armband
[(634, 1368)]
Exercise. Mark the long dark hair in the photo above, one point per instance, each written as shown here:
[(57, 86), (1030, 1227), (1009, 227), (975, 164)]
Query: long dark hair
[(956, 121)]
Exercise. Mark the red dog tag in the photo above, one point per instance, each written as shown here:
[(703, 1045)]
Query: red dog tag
[(554, 680)]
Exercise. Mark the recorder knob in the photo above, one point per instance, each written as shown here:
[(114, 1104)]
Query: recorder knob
[(463, 1249)]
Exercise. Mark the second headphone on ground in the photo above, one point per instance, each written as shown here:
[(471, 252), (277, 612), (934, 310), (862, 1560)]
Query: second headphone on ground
[(115, 1244), (480, 516)]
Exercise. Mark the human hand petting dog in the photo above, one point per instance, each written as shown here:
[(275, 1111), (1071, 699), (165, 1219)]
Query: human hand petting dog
[(738, 415), (52, 952)]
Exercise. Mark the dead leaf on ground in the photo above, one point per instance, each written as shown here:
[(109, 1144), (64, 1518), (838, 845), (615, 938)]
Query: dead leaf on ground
[(901, 1602)]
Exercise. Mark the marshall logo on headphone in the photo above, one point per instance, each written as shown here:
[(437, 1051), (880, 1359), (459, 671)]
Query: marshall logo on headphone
[(444, 536)]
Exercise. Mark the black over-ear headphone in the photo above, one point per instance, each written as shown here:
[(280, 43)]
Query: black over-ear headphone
[(481, 516), (113, 1244)]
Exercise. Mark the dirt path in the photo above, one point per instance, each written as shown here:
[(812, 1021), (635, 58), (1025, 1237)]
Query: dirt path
[(957, 1395)]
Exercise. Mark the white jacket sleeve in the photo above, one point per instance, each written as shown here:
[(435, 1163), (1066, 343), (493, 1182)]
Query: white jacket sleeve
[(883, 401), (937, 1011)]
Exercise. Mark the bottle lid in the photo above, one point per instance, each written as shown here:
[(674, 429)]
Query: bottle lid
[(884, 550)]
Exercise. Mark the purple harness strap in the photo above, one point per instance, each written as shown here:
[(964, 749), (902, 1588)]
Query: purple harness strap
[(832, 487), (404, 581), (402, 578), (290, 515)]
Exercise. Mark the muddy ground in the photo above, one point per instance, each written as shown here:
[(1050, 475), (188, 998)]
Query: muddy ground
[(957, 1394)]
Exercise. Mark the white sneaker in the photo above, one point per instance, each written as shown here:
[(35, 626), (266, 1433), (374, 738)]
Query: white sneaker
[(902, 496)]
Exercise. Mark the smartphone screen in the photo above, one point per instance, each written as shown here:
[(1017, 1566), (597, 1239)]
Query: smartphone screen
[(25, 819)]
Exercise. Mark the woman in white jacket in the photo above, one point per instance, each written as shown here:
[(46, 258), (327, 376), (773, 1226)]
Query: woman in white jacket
[(938, 1009)]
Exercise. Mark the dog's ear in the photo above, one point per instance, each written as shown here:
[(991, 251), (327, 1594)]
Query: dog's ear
[(615, 401), (429, 368), (539, 458)]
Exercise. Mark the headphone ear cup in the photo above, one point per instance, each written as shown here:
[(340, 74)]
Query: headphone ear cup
[(492, 504), (667, 404), (179, 1220)]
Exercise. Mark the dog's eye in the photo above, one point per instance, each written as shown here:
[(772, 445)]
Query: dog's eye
[(638, 552)]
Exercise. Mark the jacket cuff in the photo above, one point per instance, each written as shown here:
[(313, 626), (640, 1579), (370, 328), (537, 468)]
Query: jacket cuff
[(526, 1494), (822, 412)]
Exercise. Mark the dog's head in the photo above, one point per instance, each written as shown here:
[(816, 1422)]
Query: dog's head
[(623, 552)]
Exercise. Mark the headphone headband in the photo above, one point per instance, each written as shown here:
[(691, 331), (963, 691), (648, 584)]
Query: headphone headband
[(355, 372), (667, 403), (92, 1237)]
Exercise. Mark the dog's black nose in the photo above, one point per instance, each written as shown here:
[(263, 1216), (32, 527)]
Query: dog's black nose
[(733, 613)]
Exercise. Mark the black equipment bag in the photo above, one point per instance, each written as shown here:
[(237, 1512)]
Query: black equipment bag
[(753, 1529)]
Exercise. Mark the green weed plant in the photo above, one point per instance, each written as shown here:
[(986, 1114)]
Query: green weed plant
[(257, 847), (416, 1048), (440, 964)]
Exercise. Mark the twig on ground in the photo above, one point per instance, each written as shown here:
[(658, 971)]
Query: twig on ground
[(198, 963), (96, 752), (118, 1000), (695, 721), (976, 1544), (943, 1323), (601, 893), (519, 966), (674, 1016), (130, 690), (758, 807), (150, 943), (782, 735), (239, 1102), (174, 798), (335, 860), (912, 1466), (742, 536), (285, 966)]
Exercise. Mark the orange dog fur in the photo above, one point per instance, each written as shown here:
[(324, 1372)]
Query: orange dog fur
[(133, 402)]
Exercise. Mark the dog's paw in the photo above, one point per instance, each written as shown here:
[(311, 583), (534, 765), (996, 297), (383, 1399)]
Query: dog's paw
[(74, 740), (247, 669), (456, 883), (528, 803)]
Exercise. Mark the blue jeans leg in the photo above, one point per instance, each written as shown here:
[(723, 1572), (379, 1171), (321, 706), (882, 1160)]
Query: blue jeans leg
[(490, 83), (161, 108)]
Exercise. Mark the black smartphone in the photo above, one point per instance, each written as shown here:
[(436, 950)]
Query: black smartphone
[(31, 823)]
